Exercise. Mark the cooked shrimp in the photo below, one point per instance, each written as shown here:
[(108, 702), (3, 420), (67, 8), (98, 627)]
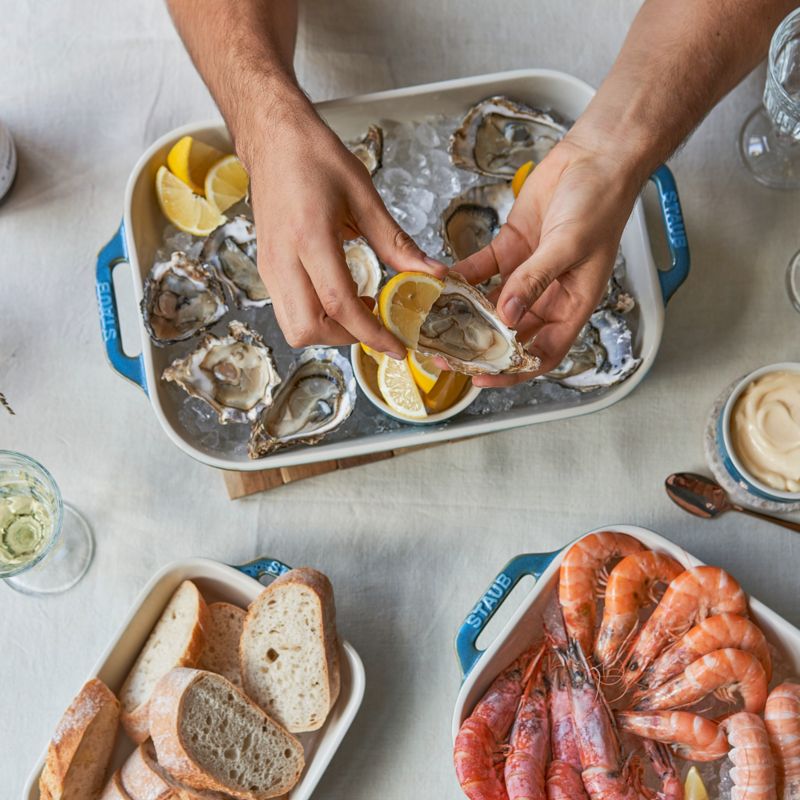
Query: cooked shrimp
[(782, 719), (631, 586), (712, 633), (723, 673), (695, 594), (582, 570), (753, 771), (691, 736), (479, 747), (529, 743)]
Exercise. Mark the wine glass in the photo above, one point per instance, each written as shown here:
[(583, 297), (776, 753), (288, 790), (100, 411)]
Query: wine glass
[(46, 546), (769, 142)]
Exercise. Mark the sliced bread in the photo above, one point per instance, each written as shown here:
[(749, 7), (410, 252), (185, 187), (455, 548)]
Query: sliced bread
[(114, 789), (78, 755), (176, 641), (289, 652), (221, 653), (208, 735)]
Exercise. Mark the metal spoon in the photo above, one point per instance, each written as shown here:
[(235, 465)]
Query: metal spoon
[(705, 498)]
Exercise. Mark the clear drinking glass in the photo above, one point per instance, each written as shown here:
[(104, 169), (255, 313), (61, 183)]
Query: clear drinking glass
[(769, 142), (45, 545)]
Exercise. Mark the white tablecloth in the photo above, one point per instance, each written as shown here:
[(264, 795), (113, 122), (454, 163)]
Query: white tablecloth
[(409, 543)]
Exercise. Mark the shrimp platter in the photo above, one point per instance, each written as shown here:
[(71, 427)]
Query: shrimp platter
[(628, 663)]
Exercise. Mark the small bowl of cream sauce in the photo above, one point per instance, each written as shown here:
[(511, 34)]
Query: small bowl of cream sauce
[(759, 433)]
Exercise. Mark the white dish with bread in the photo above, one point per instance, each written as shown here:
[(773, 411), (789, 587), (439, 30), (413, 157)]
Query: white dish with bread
[(198, 721)]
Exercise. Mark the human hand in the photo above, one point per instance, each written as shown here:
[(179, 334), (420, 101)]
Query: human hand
[(309, 194), (556, 252)]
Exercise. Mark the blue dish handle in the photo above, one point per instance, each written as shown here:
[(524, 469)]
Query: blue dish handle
[(263, 566), (112, 254), (672, 216), (527, 564)]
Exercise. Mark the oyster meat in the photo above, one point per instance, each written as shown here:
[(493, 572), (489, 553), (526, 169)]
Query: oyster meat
[(464, 329), (231, 248), (364, 267), (181, 298), (369, 150), (315, 399), (498, 135), (473, 218), (234, 374)]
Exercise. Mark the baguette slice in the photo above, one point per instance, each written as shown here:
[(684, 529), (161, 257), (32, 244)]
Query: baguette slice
[(78, 755), (143, 778), (176, 641), (208, 735), (221, 653), (289, 652), (114, 789)]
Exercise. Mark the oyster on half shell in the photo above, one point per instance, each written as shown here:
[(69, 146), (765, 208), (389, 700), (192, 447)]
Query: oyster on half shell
[(364, 267), (234, 374), (473, 218), (181, 298), (464, 329), (369, 150), (315, 399), (498, 135)]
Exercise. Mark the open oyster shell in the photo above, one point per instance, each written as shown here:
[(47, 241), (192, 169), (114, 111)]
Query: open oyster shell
[(369, 150), (181, 298), (231, 248), (315, 399), (364, 267), (473, 218), (464, 329), (234, 374), (498, 135)]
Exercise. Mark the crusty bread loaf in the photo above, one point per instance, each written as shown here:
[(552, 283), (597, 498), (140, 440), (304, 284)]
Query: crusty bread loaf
[(208, 735), (114, 789), (289, 652), (143, 778), (78, 755), (221, 653), (176, 641)]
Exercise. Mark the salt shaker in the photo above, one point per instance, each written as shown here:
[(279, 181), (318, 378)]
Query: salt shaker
[(8, 160)]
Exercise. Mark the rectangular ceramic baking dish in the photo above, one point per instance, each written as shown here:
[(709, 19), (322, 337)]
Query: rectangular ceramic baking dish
[(139, 236), (480, 667), (239, 585)]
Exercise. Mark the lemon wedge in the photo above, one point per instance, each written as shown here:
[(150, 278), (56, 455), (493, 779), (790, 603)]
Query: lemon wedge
[(425, 372), (694, 787), (405, 301), (520, 176), (375, 355), (226, 183), (183, 208), (447, 391), (397, 386), (191, 160)]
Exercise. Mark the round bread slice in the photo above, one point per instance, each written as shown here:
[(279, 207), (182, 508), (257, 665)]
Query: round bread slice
[(114, 789), (221, 653), (177, 640), (209, 735), (289, 652), (78, 755)]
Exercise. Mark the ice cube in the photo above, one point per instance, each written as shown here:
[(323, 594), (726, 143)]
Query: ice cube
[(426, 135)]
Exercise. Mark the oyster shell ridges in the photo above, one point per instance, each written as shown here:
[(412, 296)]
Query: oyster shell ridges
[(369, 149)]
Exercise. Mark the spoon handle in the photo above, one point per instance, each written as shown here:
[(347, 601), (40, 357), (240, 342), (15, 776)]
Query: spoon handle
[(785, 523)]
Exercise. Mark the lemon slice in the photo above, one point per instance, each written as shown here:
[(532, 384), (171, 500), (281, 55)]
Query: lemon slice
[(191, 160), (375, 355), (520, 177), (447, 391), (226, 183), (396, 384), (183, 208), (425, 372), (694, 787), (405, 301)]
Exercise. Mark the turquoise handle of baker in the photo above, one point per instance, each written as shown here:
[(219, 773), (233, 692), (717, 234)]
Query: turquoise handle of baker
[(672, 217), (533, 564), (114, 253), (260, 567)]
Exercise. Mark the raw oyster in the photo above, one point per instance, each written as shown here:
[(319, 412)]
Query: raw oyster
[(601, 356), (231, 248), (463, 328), (181, 298), (364, 267), (369, 150), (473, 218), (498, 135), (315, 399), (234, 374)]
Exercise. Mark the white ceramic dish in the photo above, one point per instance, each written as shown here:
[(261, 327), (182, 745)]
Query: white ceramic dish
[(240, 586), (140, 234), (522, 629)]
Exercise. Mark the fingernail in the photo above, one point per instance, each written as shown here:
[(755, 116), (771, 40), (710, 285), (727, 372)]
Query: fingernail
[(396, 355), (434, 264), (513, 311)]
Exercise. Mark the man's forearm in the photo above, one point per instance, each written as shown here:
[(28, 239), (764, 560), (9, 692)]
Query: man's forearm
[(679, 58)]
